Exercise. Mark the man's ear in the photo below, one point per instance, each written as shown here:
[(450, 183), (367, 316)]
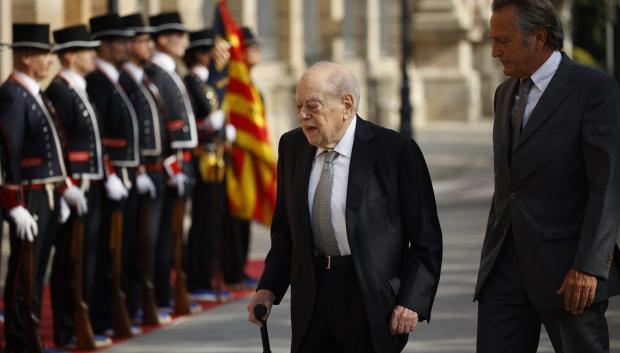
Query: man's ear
[(540, 37), (349, 103)]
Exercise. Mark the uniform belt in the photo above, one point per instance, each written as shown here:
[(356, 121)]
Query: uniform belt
[(330, 262), (154, 167)]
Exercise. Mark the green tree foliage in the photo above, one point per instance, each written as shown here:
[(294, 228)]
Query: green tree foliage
[(589, 33)]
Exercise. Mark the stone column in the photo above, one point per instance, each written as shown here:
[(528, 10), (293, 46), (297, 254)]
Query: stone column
[(77, 11), (6, 20), (190, 10), (443, 36)]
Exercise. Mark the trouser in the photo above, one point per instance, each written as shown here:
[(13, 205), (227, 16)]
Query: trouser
[(236, 246), (21, 324), (62, 281), (101, 311), (339, 322), (206, 234), (508, 322)]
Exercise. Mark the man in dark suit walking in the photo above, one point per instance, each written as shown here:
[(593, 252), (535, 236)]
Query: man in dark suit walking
[(355, 231), (550, 253)]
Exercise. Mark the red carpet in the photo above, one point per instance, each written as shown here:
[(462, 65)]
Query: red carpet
[(254, 269)]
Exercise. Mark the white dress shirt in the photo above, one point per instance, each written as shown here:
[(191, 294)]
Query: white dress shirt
[(540, 79), (75, 80), (164, 61), (134, 70), (31, 85), (339, 187), (109, 70)]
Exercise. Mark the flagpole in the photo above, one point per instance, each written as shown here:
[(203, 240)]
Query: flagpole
[(112, 6), (406, 110)]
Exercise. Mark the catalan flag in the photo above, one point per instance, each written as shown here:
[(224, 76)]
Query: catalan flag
[(251, 175)]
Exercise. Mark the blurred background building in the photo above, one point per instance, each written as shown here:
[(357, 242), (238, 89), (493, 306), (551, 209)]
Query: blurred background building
[(453, 76)]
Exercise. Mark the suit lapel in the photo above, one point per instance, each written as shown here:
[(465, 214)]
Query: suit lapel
[(363, 158), (303, 167), (556, 93), (503, 114)]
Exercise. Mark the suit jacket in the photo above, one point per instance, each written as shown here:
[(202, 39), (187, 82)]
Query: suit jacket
[(80, 127), (119, 123), (33, 140), (392, 229), (204, 101), (180, 120), (559, 195)]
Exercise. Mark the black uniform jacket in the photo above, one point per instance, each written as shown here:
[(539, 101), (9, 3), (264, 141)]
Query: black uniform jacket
[(180, 120), (391, 223), (119, 124), (559, 195), (150, 116), (32, 136), (80, 126)]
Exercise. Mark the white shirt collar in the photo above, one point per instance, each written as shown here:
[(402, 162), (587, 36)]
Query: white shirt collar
[(345, 145), (135, 71), (164, 60), (201, 71), (75, 80), (545, 73), (30, 83), (108, 69)]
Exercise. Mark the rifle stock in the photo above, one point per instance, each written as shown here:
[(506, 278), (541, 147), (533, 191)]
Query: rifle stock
[(181, 297), (149, 308), (84, 336), (120, 316), (27, 260)]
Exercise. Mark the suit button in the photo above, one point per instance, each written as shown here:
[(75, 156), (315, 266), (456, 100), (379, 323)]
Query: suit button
[(513, 196)]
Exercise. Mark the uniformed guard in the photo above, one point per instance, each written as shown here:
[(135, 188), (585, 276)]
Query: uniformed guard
[(67, 92), (209, 205), (120, 132), (154, 146), (36, 184), (237, 243), (169, 35)]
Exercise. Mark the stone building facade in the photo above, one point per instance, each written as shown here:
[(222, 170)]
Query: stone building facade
[(451, 70)]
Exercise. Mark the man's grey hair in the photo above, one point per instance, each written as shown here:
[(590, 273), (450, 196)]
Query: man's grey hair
[(533, 14), (341, 81)]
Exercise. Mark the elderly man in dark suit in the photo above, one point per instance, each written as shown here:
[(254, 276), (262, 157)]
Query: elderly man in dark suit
[(550, 253), (355, 231)]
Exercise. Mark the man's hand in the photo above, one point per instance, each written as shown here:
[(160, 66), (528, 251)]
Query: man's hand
[(220, 53), (262, 296), (403, 321), (578, 290)]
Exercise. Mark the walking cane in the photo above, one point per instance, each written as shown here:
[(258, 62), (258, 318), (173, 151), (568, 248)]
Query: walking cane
[(259, 311)]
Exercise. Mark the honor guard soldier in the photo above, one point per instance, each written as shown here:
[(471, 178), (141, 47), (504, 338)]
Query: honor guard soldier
[(209, 205), (237, 244), (36, 185), (169, 35), (120, 132), (78, 237), (151, 182)]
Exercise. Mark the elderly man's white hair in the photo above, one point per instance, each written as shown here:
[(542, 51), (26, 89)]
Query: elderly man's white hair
[(340, 79)]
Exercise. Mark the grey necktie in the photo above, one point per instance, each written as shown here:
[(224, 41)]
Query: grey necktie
[(517, 115), (324, 238)]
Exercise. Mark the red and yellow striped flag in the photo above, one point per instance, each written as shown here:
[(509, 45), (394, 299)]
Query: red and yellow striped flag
[(251, 175)]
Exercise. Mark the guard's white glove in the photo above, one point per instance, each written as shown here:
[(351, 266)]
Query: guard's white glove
[(76, 199), (65, 211), (115, 189), (27, 227), (179, 181), (215, 120), (231, 133), (145, 185)]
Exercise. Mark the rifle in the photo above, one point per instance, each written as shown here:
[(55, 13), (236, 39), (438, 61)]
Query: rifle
[(149, 308), (181, 297), (120, 316), (33, 338), (27, 266), (85, 338)]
